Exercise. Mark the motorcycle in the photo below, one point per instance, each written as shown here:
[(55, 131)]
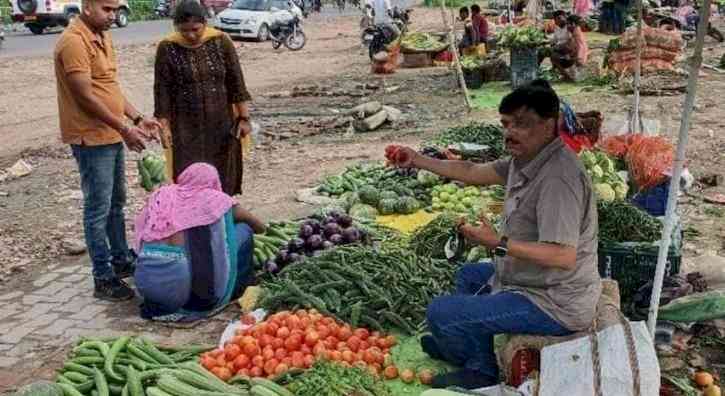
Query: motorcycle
[(289, 34), (376, 37), (163, 8)]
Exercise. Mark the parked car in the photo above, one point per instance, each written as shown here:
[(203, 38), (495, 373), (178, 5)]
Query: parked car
[(216, 6), (249, 18), (40, 15)]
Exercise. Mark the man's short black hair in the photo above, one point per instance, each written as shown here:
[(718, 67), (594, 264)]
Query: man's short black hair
[(537, 96), (475, 9), (189, 11), (463, 10), (559, 13)]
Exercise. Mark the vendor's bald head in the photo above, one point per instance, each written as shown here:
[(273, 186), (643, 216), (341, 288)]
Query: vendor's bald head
[(100, 15), (529, 116)]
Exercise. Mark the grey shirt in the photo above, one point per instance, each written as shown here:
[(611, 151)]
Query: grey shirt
[(550, 199)]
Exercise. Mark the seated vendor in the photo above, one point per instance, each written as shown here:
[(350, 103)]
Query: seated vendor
[(544, 278), (465, 25), (196, 247), (480, 25), (569, 50), (559, 40)]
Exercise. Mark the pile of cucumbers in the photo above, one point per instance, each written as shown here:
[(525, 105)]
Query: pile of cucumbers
[(267, 245)]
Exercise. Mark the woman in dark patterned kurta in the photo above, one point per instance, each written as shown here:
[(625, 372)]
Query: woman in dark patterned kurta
[(200, 95)]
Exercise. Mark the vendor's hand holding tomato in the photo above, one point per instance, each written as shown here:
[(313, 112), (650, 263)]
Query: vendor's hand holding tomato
[(483, 234), (400, 156)]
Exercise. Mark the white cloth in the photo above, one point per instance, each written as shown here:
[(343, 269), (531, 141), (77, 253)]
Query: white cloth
[(381, 8)]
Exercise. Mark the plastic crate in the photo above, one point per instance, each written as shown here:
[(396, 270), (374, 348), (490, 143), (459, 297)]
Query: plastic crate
[(654, 200), (524, 66), (632, 267)]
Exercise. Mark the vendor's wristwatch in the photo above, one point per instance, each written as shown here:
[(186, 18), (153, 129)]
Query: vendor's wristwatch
[(502, 249)]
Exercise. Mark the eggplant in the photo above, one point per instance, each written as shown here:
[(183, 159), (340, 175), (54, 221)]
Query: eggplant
[(314, 242), (316, 227), (296, 245), (331, 229), (344, 221), (327, 244), (282, 257), (336, 239), (294, 257), (306, 231), (271, 266), (334, 214), (351, 235)]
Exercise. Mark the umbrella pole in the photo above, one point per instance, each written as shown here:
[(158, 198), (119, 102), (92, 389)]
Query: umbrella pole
[(456, 57), (696, 63)]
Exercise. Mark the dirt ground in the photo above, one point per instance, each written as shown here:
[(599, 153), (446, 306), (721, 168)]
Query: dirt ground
[(299, 99)]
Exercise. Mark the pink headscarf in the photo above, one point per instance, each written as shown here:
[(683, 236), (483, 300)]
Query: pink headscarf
[(196, 200)]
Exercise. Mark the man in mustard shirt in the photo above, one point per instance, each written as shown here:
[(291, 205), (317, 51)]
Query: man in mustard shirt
[(93, 121)]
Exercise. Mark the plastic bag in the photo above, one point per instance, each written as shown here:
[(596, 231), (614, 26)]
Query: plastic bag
[(575, 359), (649, 160), (695, 307)]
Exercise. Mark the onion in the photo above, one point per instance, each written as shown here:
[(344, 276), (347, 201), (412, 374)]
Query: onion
[(271, 267), (425, 376), (344, 221), (331, 229), (336, 239), (407, 376), (306, 231), (314, 242), (351, 235), (390, 372)]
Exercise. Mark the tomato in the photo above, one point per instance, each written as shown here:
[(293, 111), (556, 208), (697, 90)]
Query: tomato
[(305, 349), (362, 333), (309, 361), (373, 341), (331, 342), (391, 341), (369, 357), (280, 354), (243, 372), (208, 362), (323, 331), (283, 332), (298, 360), (387, 359), (354, 343), (319, 349), (270, 365), (231, 351), (241, 362), (364, 345), (216, 352), (268, 353), (272, 328), (287, 361), (292, 344), (342, 346), (221, 361), (237, 339), (345, 364), (281, 369), (223, 373), (348, 356), (311, 338), (305, 322), (335, 356), (375, 334), (374, 371), (256, 372), (265, 340), (258, 361), (382, 343), (292, 322), (277, 343), (344, 333), (390, 372), (360, 364), (247, 340), (407, 376)]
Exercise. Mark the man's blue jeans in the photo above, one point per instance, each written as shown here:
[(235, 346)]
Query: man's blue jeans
[(103, 181), (464, 324)]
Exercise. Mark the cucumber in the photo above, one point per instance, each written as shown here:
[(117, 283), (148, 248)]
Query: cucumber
[(69, 390), (258, 390), (101, 383), (108, 366), (271, 385)]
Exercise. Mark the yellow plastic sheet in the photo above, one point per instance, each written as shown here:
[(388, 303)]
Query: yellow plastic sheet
[(406, 224)]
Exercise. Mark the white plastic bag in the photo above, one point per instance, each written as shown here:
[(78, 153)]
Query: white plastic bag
[(567, 368), (232, 327)]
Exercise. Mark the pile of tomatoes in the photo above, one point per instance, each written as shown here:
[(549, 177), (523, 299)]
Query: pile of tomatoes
[(297, 339)]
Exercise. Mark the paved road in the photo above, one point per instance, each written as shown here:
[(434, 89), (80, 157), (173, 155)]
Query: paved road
[(24, 43)]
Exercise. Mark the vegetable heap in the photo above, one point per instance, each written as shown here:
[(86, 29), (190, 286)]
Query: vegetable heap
[(620, 221), (295, 340), (422, 42), (521, 37), (453, 198), (608, 184), (268, 245), (313, 237), (328, 379), (477, 133), (472, 62), (136, 367), (151, 170), (380, 288)]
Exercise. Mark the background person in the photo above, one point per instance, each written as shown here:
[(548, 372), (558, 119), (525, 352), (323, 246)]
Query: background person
[(93, 112), (200, 95), (195, 247), (480, 25)]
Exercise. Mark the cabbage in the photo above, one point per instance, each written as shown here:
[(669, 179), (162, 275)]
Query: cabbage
[(588, 158), (597, 172), (363, 211), (608, 166), (605, 192), (620, 191)]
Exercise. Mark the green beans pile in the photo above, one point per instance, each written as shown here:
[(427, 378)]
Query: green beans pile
[(376, 288), (329, 379), (477, 133), (620, 221)]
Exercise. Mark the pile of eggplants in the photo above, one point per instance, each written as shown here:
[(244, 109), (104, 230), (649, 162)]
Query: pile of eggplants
[(317, 234)]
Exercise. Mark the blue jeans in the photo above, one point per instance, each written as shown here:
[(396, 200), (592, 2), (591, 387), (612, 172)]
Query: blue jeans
[(464, 324), (103, 182)]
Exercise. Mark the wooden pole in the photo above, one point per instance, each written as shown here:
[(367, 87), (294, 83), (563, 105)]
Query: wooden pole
[(696, 63), (635, 121), (456, 58)]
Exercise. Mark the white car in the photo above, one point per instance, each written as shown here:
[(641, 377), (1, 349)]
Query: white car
[(39, 15), (250, 18)]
